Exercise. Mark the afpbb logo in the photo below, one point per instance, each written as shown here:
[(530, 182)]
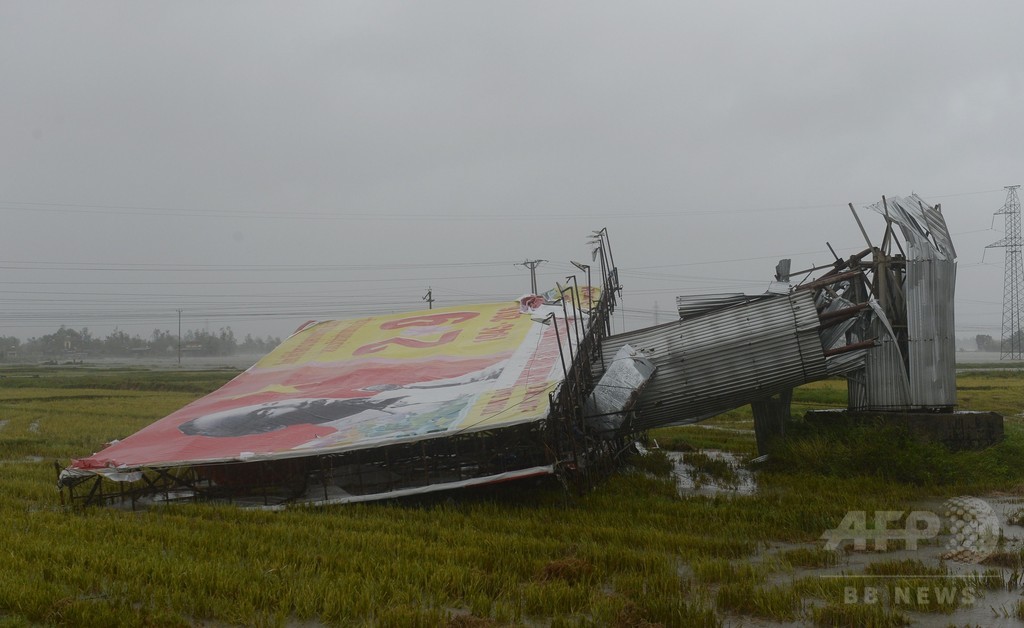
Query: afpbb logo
[(974, 529), (919, 596)]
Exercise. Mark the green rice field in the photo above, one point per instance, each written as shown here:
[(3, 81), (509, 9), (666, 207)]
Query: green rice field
[(632, 552)]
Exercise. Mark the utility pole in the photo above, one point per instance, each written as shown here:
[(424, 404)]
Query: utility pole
[(1011, 344), (179, 337), (532, 265), (429, 298)]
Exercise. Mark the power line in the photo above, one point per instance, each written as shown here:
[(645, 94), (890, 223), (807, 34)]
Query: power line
[(148, 267), (379, 214)]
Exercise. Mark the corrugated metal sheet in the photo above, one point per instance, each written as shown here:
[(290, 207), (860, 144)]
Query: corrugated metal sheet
[(696, 304), (932, 341), (883, 383), (725, 358), (846, 363)]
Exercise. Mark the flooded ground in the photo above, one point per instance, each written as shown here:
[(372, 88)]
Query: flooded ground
[(988, 591), (952, 558), (711, 472)]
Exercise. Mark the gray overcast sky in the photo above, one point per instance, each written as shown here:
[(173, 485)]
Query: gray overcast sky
[(261, 164)]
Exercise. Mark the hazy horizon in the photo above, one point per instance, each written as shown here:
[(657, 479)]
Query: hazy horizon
[(257, 165)]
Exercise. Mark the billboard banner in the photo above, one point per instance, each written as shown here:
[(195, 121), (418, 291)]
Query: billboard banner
[(349, 384)]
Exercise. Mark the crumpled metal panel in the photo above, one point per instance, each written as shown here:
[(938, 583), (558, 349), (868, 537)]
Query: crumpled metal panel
[(725, 358), (835, 336), (930, 286), (918, 220), (605, 409)]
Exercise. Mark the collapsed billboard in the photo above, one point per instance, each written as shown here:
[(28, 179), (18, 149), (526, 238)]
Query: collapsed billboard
[(341, 385), (407, 403)]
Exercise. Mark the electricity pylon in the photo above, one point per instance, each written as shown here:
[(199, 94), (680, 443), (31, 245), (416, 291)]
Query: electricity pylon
[(1012, 342)]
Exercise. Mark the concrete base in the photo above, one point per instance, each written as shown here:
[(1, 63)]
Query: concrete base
[(956, 430)]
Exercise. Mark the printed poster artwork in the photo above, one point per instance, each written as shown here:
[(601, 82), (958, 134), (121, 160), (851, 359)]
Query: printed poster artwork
[(345, 384)]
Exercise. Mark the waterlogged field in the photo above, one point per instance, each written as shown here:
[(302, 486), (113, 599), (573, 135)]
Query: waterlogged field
[(634, 551)]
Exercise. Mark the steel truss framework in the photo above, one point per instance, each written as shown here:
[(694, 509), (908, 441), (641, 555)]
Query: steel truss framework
[(1011, 344)]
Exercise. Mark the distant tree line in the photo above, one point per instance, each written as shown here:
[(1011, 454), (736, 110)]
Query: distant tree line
[(67, 342), (988, 343)]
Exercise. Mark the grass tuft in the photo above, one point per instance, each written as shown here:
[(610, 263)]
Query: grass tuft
[(568, 569), (907, 567), (656, 462), (810, 558), (778, 604), (858, 616)]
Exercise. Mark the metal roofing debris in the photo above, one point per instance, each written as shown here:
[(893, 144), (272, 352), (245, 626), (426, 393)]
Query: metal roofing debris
[(925, 305), (919, 222), (614, 394), (834, 334), (883, 321), (725, 358)]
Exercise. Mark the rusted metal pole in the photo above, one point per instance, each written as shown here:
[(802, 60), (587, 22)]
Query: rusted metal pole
[(864, 344), (829, 319), (831, 279), (861, 225)]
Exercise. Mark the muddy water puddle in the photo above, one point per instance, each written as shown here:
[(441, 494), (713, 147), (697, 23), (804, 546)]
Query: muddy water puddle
[(711, 472)]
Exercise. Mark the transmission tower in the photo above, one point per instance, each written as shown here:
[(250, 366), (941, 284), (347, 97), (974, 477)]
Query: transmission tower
[(1012, 343)]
